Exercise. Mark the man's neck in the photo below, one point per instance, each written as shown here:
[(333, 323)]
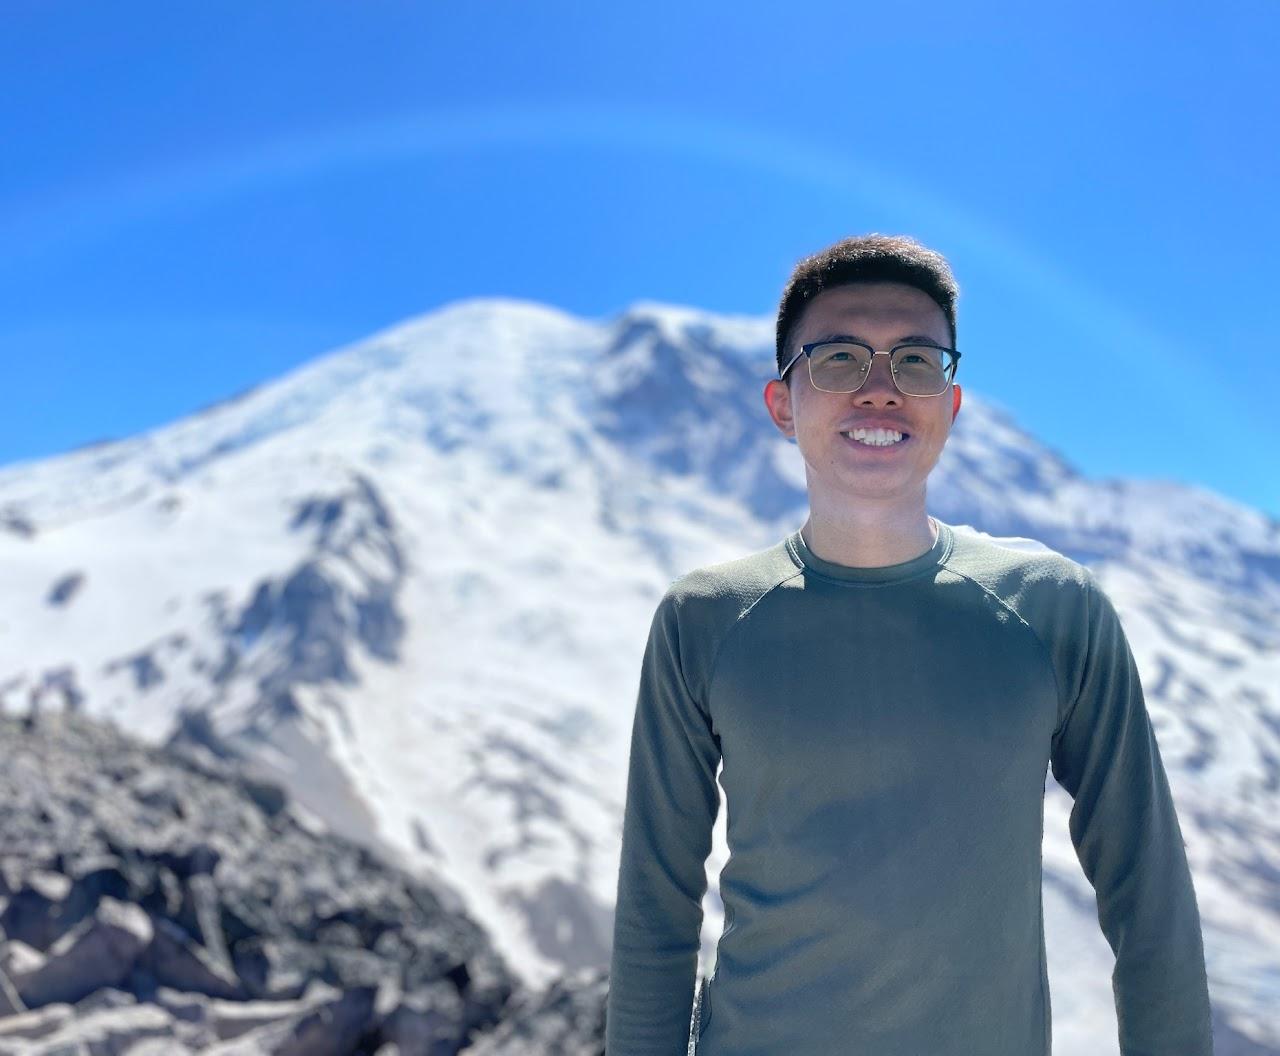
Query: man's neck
[(869, 538)]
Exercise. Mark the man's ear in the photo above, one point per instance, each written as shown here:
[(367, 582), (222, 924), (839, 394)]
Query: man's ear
[(777, 400), (955, 401)]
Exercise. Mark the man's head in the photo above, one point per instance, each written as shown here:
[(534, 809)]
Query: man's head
[(864, 258), (881, 291)]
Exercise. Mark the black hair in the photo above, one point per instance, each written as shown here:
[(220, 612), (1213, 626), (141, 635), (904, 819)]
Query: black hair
[(865, 258)]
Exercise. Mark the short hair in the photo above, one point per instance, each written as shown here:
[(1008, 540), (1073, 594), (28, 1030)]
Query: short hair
[(865, 258)]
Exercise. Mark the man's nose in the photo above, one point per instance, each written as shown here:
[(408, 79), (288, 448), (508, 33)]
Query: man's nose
[(879, 383)]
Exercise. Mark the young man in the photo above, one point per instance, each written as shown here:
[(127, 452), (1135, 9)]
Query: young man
[(886, 694)]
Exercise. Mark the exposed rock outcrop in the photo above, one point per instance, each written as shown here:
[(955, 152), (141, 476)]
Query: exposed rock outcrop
[(166, 901)]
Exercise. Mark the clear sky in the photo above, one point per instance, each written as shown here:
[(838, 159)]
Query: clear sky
[(198, 197)]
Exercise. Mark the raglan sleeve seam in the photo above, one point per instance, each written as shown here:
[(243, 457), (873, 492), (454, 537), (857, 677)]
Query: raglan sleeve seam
[(739, 621), (677, 605), (1044, 647)]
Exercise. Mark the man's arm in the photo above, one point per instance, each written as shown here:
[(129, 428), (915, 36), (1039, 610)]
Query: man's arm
[(666, 836), (1126, 835)]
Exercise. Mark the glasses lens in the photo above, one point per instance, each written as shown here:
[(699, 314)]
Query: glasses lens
[(837, 367), (921, 369)]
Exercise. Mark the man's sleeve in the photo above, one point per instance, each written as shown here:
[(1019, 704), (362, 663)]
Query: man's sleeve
[(1126, 835), (671, 805)]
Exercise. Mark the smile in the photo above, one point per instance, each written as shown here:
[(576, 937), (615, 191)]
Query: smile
[(884, 438)]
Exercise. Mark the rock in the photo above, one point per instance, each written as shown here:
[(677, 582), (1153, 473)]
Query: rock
[(10, 1000), (231, 1019), (566, 1019), (276, 969), (104, 998), (176, 960), (35, 911), (183, 907), (189, 1008), (98, 952), (427, 1022), (109, 1032), (37, 1023), (19, 961), (333, 1027)]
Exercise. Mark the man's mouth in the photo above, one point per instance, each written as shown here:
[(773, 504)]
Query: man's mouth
[(876, 437)]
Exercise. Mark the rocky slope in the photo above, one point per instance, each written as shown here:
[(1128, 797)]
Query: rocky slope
[(168, 900)]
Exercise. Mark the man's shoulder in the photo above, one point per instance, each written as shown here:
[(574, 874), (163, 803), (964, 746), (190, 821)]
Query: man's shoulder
[(1041, 584), (702, 606), (999, 558), (734, 585)]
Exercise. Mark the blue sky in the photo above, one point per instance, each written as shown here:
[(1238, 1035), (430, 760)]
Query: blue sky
[(196, 198)]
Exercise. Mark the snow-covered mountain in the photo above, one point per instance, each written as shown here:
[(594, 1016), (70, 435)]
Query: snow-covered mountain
[(413, 579)]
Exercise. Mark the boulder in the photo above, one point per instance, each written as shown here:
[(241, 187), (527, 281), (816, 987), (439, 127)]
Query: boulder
[(98, 952)]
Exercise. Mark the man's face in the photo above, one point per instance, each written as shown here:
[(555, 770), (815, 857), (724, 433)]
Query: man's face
[(881, 314)]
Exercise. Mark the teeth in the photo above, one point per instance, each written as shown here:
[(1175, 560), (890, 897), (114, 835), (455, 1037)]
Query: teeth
[(875, 437)]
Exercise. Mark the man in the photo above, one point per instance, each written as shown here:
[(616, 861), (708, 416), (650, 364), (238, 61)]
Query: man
[(886, 693)]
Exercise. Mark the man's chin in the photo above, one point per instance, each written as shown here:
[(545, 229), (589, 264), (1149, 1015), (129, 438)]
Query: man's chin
[(868, 485)]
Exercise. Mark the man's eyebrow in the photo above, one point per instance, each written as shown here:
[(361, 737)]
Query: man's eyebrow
[(924, 339)]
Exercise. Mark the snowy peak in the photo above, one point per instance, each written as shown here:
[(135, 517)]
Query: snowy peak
[(748, 337), (525, 388)]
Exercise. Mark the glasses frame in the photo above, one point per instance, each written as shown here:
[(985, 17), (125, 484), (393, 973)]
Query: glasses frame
[(949, 371)]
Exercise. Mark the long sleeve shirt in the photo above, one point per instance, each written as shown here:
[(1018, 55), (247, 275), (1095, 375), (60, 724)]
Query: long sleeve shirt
[(885, 734)]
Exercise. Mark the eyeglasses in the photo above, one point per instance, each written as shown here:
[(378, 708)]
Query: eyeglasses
[(843, 366)]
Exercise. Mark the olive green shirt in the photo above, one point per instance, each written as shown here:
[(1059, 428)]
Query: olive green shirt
[(885, 735)]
